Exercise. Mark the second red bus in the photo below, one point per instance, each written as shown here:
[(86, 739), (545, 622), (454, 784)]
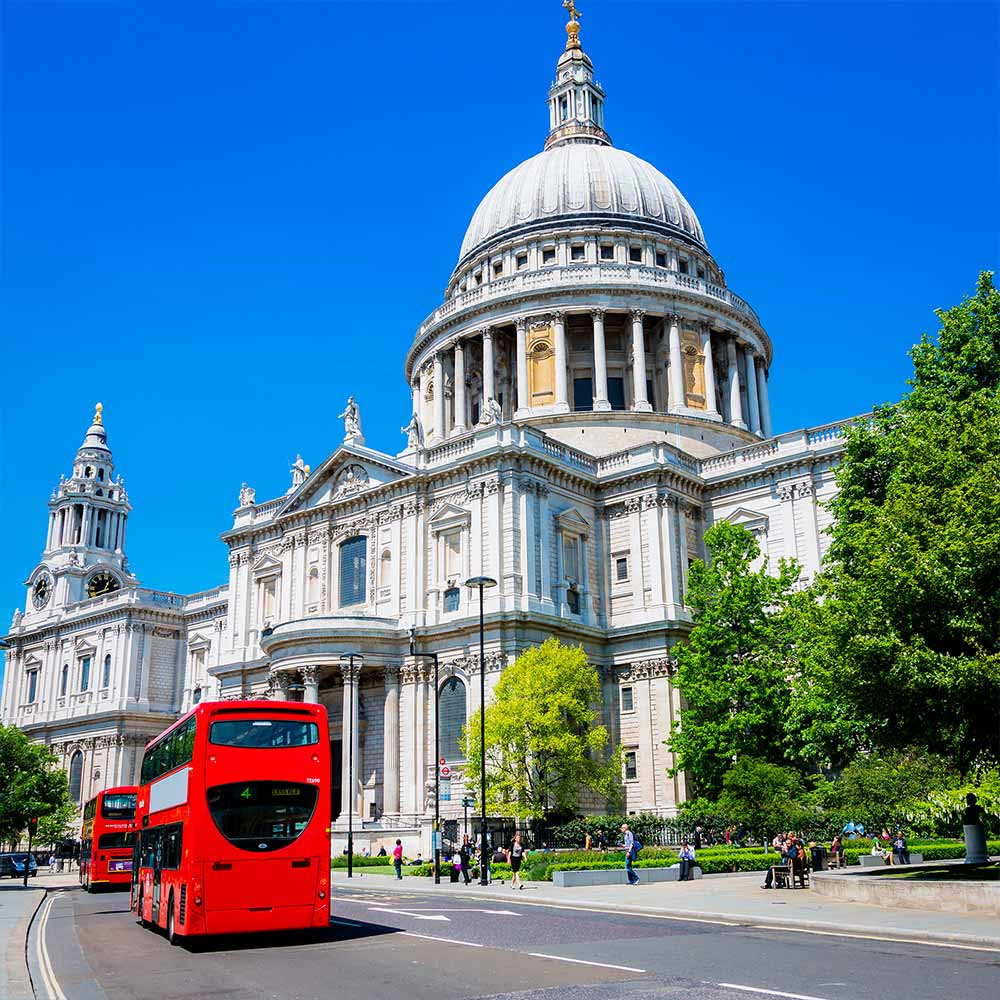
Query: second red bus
[(106, 838)]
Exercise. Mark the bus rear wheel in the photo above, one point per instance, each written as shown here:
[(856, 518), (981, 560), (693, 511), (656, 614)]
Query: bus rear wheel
[(171, 932)]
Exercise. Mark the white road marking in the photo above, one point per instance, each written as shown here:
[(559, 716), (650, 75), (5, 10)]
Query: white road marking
[(772, 993), (48, 976), (407, 913), (601, 965), (346, 923), (879, 937), (427, 937), (459, 909)]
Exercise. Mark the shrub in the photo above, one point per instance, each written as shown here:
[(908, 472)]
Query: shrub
[(340, 861)]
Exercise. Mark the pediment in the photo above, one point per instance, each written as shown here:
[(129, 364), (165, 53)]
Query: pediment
[(752, 520), (266, 562), (84, 647), (572, 521), (449, 515), (351, 470)]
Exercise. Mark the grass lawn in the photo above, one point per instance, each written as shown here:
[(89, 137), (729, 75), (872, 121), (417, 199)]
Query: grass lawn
[(378, 870), (974, 873)]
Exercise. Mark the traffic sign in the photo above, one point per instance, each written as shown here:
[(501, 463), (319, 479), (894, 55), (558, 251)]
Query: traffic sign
[(446, 790), (441, 761), (445, 772), (468, 802)]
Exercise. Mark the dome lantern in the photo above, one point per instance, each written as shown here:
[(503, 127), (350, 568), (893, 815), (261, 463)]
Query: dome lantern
[(576, 102)]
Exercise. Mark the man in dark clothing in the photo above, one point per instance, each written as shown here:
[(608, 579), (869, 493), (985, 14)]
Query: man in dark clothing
[(697, 838)]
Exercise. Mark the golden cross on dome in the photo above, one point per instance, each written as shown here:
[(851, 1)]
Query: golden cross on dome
[(98, 418), (570, 5)]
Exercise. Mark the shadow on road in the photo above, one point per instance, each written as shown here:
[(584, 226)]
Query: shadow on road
[(335, 934)]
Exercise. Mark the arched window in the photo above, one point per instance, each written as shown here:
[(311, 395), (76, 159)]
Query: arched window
[(453, 717), (64, 684), (312, 587), (385, 569), (451, 598), (100, 475), (75, 775), (353, 559), (106, 676)]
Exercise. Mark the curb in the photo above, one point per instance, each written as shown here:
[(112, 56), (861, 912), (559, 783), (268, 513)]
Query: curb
[(19, 984), (919, 936)]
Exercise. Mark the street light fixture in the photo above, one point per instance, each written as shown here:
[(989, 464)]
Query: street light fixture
[(350, 657), (482, 583), (437, 753)]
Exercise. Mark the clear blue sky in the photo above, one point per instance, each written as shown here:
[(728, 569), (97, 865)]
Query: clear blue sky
[(220, 219)]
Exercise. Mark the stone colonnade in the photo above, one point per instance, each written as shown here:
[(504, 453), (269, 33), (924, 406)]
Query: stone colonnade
[(400, 794), (742, 359)]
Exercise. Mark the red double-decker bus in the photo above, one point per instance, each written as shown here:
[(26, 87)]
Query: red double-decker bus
[(106, 839), (233, 821)]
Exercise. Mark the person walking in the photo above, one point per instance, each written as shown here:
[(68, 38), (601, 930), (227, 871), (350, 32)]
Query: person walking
[(514, 857), (465, 852), (397, 858), (629, 840), (697, 838), (687, 856), (588, 841)]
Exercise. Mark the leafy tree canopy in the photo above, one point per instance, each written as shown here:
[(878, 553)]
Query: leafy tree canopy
[(733, 671), (906, 642), (544, 738), (31, 785), (763, 797)]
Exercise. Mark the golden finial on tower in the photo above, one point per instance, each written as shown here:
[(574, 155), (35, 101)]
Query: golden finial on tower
[(98, 409), (573, 28)]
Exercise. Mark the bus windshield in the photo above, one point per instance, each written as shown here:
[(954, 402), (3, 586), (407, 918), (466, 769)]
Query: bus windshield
[(262, 815), (109, 841), (264, 734), (119, 806)]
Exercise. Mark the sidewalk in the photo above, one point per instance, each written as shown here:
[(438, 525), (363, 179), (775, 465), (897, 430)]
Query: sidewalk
[(736, 899), (17, 907)]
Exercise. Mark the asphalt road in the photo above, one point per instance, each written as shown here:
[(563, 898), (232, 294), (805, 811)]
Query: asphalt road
[(394, 944)]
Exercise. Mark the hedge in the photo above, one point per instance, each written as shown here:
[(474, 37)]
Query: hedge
[(340, 861)]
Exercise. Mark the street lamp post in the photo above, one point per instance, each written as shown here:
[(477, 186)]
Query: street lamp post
[(482, 583), (350, 657), (437, 754)]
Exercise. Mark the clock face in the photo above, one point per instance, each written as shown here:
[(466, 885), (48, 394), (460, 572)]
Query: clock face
[(101, 583), (41, 591)]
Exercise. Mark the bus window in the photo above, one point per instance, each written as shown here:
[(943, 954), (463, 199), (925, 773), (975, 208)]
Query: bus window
[(120, 806), (264, 733), (112, 841)]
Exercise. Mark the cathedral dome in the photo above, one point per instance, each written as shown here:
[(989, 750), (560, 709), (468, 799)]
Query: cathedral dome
[(580, 182)]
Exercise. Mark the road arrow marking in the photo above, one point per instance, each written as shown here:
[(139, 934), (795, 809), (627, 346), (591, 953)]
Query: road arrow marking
[(407, 913)]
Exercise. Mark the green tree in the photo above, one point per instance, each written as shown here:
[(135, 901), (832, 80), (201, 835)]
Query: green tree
[(31, 784), (733, 671), (763, 797), (544, 738), (906, 641), (886, 786)]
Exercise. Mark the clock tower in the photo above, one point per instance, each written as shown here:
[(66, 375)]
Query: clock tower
[(84, 553)]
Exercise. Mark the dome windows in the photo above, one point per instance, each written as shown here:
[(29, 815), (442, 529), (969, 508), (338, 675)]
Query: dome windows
[(635, 254), (548, 255), (661, 258), (577, 252), (521, 261)]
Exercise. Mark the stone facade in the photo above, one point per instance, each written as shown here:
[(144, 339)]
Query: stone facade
[(588, 400)]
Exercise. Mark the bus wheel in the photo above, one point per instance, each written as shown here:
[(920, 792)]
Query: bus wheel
[(171, 934)]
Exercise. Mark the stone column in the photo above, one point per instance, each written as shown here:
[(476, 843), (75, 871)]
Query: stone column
[(349, 738), (765, 403), (735, 401), (439, 424), (677, 398), (639, 400), (390, 742), (277, 682), (310, 681), (711, 404), (752, 404), (601, 403), (522, 368), (489, 371), (415, 392), (559, 335), (422, 404), (459, 423)]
